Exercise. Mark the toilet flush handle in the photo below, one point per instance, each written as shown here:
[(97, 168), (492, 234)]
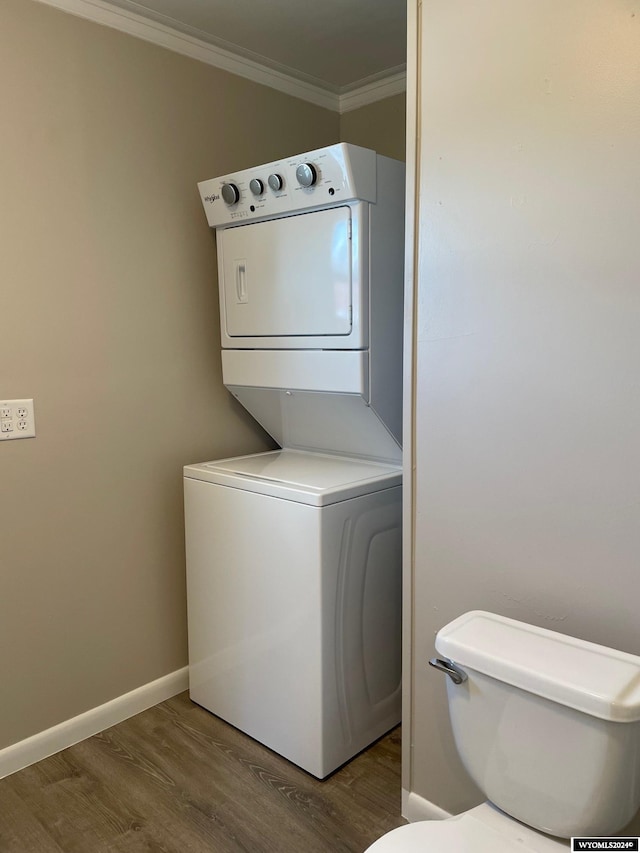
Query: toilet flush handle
[(454, 672)]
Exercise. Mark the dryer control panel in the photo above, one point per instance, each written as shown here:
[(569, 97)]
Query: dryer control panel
[(326, 177)]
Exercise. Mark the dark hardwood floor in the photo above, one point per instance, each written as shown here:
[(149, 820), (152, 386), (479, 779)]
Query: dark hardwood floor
[(175, 779)]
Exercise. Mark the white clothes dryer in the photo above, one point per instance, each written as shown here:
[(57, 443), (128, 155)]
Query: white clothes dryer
[(310, 275)]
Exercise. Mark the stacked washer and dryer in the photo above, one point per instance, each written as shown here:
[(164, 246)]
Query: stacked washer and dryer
[(294, 555)]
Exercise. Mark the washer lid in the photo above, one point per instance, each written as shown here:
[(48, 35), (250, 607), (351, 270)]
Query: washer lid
[(317, 479), (602, 682)]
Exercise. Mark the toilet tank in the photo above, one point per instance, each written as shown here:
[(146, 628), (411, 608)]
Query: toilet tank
[(548, 726)]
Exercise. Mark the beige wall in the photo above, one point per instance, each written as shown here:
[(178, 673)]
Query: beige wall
[(527, 405), (380, 126), (108, 312)]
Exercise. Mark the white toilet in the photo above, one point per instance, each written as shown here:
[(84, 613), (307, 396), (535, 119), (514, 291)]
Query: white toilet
[(547, 726)]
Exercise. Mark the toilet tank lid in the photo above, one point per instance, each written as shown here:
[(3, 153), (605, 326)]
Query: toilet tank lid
[(599, 681)]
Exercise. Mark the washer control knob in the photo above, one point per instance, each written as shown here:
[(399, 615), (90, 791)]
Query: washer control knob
[(306, 174), (256, 186), (230, 193), (275, 182)]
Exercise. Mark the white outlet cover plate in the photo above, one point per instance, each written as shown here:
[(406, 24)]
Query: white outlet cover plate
[(17, 419)]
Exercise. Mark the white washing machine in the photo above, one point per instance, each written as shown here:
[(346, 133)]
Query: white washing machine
[(294, 600)]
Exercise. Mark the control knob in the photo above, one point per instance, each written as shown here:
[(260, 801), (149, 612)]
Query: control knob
[(306, 174), (256, 186), (230, 193), (275, 182)]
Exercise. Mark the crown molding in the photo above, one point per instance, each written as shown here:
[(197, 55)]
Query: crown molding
[(143, 28), (275, 76), (393, 82)]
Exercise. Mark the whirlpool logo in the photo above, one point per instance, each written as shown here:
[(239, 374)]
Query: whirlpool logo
[(211, 198)]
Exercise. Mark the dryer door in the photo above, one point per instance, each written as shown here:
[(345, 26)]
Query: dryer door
[(288, 277)]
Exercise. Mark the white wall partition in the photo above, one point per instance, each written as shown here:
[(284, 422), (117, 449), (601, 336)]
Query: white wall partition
[(526, 392)]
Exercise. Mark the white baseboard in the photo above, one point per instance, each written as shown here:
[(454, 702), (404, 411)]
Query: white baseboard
[(46, 743), (416, 808)]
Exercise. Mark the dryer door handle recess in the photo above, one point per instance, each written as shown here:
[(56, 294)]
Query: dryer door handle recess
[(241, 281)]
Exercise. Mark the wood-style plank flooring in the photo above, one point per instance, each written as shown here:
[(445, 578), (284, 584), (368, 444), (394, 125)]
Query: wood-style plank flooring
[(176, 779)]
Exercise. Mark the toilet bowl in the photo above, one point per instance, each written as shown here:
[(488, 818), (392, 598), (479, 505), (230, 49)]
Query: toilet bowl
[(547, 726), (483, 829)]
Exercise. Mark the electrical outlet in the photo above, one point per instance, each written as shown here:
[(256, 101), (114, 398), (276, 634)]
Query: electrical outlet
[(17, 419)]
